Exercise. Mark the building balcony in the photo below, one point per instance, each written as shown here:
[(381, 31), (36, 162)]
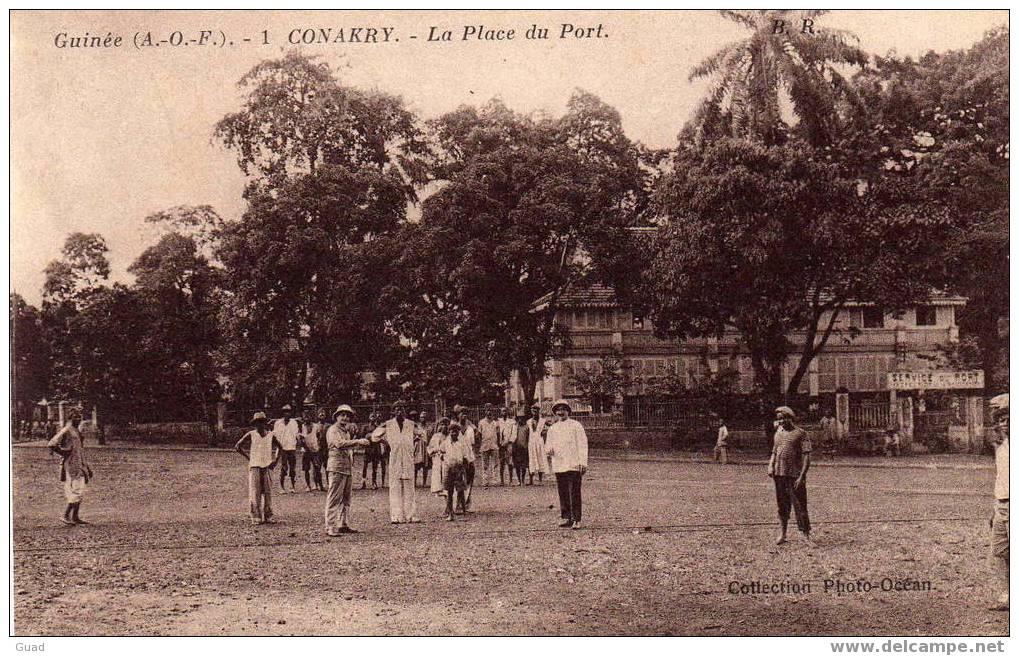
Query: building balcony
[(637, 342)]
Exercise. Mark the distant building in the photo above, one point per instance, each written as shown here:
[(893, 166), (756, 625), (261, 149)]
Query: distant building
[(599, 327)]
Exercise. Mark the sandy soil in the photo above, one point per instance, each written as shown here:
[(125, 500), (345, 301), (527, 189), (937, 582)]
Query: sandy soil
[(171, 552)]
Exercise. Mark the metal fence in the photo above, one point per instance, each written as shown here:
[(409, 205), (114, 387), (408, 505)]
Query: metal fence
[(869, 416)]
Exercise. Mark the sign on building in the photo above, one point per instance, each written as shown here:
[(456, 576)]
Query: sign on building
[(935, 380)]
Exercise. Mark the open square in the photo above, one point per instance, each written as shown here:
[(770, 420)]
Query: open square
[(171, 552)]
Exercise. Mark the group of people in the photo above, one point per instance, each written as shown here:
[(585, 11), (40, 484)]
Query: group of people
[(557, 444), (446, 453)]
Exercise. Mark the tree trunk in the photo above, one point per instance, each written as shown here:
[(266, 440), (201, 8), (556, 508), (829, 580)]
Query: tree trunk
[(767, 376), (527, 382)]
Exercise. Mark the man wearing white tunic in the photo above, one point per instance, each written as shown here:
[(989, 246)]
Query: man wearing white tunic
[(567, 444), (537, 461), (399, 433)]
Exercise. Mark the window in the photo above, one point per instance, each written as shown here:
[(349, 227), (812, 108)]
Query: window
[(873, 317), (926, 315), (638, 322)]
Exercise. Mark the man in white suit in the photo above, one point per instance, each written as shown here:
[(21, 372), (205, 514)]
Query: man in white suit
[(399, 433)]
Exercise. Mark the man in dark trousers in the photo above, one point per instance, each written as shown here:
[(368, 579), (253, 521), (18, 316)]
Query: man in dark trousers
[(790, 460), (373, 456)]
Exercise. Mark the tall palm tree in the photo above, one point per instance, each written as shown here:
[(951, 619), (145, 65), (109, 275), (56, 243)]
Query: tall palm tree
[(749, 77)]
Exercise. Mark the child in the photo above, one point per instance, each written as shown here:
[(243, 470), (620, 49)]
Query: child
[(520, 449), (722, 445), (454, 464), (891, 442), (74, 469), (340, 442), (435, 455), (262, 453)]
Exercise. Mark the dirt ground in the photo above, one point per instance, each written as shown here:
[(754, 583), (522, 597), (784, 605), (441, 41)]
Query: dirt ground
[(668, 548)]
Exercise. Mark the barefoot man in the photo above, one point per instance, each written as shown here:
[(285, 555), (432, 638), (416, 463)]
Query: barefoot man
[(74, 469), (790, 460)]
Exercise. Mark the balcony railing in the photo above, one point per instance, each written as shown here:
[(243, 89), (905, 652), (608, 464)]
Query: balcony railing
[(913, 338)]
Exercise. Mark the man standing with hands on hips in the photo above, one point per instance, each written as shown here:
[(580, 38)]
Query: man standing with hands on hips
[(567, 446), (790, 460)]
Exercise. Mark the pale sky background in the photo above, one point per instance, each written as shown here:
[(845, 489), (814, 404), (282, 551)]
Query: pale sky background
[(100, 139)]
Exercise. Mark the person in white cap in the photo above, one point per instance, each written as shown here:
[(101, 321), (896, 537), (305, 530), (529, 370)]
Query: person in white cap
[(262, 454), (399, 433), (999, 520), (287, 431), (340, 443), (788, 465), (74, 468), (567, 445), (537, 459)]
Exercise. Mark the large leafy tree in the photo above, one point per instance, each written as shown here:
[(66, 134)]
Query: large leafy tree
[(767, 240), (180, 292), (525, 208), (71, 282), (942, 122), (778, 61), (331, 170), (30, 360)]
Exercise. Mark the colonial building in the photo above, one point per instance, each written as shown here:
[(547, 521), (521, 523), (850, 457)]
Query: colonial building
[(868, 342)]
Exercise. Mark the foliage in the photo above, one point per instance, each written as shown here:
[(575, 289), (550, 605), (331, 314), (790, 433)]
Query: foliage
[(602, 380), (942, 123), (30, 358), (751, 77), (297, 116), (81, 268), (526, 207), (768, 241), (332, 169), (180, 292)]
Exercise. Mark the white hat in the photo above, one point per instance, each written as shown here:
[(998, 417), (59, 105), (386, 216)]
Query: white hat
[(286, 407), (562, 403), (785, 411), (258, 416), (345, 408)]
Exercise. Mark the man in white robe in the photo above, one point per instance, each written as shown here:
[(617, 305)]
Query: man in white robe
[(399, 434)]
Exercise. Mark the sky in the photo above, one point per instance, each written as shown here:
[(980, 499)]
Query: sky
[(103, 137)]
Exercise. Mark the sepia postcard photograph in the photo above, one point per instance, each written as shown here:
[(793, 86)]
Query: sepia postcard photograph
[(510, 323)]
